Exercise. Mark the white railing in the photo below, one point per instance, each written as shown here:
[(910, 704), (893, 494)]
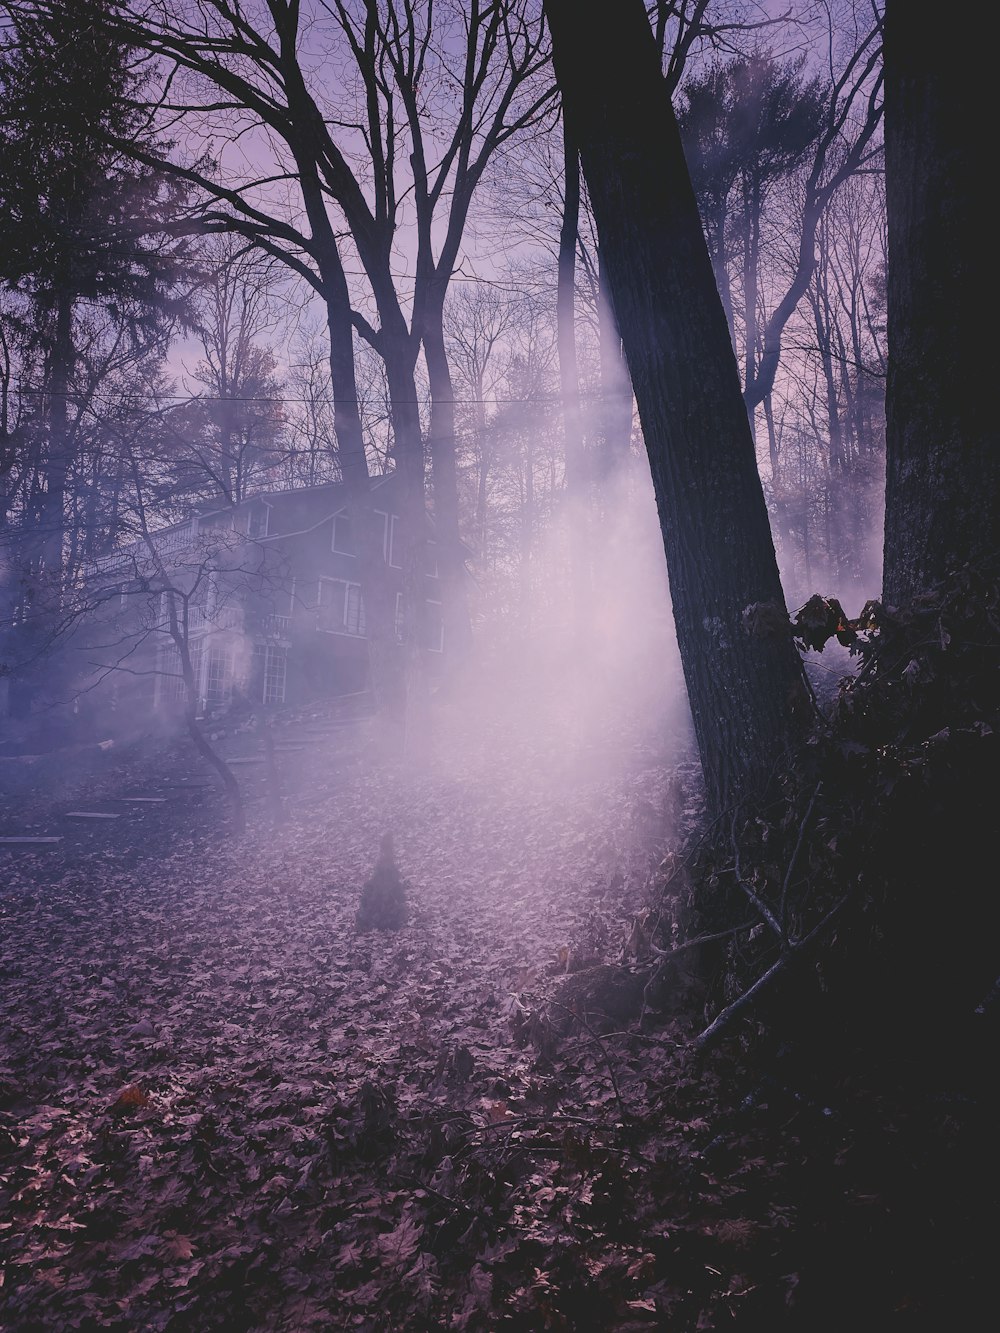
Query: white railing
[(277, 626), (175, 540), (221, 618), (135, 554)]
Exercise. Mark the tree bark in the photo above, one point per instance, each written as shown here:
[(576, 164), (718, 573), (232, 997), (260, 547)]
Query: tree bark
[(942, 451), (742, 688), (444, 474), (399, 356), (384, 657), (577, 481), (57, 463), (616, 390)]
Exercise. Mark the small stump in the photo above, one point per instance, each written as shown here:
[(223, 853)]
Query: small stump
[(383, 898)]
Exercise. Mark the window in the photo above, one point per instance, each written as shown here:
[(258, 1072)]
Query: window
[(258, 520), (434, 628), (380, 513), (170, 684), (395, 552), (395, 548), (219, 677), (270, 670), (345, 542), (341, 609), (433, 624), (343, 535), (275, 666), (354, 613)]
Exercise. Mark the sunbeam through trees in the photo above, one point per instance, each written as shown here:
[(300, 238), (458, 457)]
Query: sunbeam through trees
[(499, 627)]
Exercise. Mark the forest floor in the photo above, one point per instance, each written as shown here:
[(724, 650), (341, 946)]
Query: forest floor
[(221, 1108)]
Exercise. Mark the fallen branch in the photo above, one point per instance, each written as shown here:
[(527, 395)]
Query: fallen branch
[(798, 847), (417, 1184), (664, 956), (626, 1113), (723, 1019), (699, 939), (754, 896)]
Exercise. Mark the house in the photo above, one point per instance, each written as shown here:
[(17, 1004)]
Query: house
[(265, 595)]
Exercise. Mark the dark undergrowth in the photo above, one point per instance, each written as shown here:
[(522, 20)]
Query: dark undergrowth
[(739, 1078)]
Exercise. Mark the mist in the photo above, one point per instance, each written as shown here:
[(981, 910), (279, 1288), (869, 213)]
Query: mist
[(381, 947)]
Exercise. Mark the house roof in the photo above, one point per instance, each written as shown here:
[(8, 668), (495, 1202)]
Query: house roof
[(334, 489), (337, 501)]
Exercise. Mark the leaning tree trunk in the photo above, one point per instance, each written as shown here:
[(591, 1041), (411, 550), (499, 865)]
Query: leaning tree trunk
[(577, 480), (616, 391), (942, 453), (742, 687)]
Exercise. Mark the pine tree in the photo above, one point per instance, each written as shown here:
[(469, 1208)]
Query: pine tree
[(84, 241)]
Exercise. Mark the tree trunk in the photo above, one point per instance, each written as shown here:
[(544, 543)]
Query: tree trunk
[(399, 358), (53, 524), (577, 487), (384, 657), (742, 688), (942, 452), (616, 390), (444, 473)]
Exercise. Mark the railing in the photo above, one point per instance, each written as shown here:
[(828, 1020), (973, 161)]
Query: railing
[(135, 554), (175, 540), (275, 626), (222, 618)]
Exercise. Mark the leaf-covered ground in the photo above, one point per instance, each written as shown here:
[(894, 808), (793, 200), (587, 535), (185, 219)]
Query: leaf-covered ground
[(222, 1108)]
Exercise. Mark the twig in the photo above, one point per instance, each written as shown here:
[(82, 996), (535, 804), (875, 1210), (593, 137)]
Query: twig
[(700, 939), (626, 1113), (821, 716), (417, 1183), (798, 847), (512, 1121), (664, 955), (723, 1019), (752, 893)]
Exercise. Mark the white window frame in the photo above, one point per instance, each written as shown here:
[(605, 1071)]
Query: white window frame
[(333, 537), (390, 552), (170, 686), (219, 669), (274, 654), (342, 513), (385, 517), (400, 624), (348, 584), (362, 631), (439, 646), (258, 536)]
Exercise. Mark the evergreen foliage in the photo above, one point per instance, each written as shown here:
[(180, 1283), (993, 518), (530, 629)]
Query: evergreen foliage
[(81, 218)]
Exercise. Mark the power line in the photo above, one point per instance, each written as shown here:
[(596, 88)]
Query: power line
[(550, 399)]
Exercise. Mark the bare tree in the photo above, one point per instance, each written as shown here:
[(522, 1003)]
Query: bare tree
[(247, 70), (720, 558)]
